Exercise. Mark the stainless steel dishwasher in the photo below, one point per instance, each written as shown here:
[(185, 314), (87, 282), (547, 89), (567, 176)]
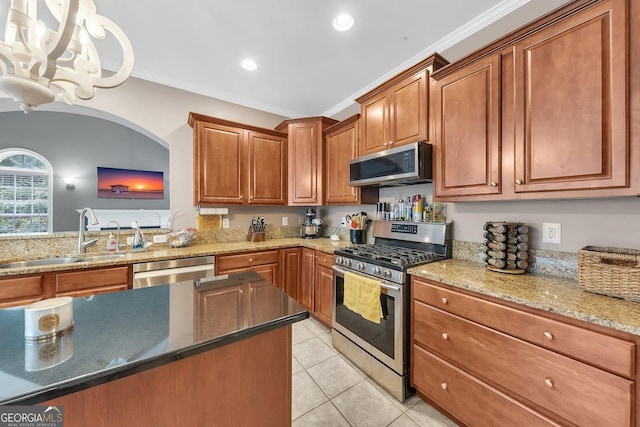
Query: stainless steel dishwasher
[(172, 271)]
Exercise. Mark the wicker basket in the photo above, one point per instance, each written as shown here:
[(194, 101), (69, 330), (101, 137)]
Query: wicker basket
[(610, 271)]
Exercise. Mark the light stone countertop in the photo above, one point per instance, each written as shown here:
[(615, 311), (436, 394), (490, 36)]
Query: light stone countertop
[(548, 293), (200, 249)]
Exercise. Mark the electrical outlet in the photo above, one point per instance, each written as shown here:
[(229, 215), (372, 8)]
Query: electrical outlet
[(225, 222), (285, 220), (160, 239), (551, 233), (129, 241)]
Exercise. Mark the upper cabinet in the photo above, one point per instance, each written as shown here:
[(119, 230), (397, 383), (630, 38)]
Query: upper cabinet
[(541, 113), (397, 112), (237, 164), (342, 146), (306, 159)]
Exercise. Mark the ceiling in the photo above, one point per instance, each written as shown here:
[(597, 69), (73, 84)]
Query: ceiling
[(305, 67)]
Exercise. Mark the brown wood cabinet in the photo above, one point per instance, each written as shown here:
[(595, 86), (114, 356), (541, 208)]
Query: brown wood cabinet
[(323, 287), (264, 263), (307, 281), (342, 146), (397, 112), (540, 371), (21, 290), (541, 113), (255, 370), (306, 146), (236, 163), (467, 130), (92, 281), (291, 263)]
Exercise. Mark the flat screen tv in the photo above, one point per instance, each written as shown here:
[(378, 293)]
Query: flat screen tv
[(130, 184)]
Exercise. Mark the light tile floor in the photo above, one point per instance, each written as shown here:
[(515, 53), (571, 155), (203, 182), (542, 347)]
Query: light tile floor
[(328, 390)]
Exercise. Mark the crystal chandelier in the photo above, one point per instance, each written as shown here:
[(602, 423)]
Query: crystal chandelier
[(39, 65)]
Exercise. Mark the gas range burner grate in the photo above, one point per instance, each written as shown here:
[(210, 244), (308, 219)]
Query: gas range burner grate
[(394, 255)]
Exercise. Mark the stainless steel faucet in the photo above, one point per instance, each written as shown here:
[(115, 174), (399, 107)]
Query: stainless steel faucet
[(82, 244)]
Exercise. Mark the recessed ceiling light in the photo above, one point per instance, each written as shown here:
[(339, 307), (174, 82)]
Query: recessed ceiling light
[(343, 22), (249, 64)]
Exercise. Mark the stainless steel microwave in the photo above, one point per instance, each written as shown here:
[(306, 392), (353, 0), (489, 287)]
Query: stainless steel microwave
[(404, 165)]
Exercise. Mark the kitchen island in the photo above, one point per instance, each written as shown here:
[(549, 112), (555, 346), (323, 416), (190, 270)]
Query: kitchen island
[(176, 354)]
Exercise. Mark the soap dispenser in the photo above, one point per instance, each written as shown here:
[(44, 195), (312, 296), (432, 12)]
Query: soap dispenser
[(138, 237), (111, 242)]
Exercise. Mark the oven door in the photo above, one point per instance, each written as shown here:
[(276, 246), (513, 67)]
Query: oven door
[(384, 341)]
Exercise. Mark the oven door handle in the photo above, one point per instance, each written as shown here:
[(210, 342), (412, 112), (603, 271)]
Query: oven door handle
[(383, 284)]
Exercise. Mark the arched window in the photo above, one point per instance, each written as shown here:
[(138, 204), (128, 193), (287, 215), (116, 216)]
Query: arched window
[(25, 192)]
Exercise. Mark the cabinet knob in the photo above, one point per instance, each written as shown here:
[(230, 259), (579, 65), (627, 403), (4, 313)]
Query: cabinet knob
[(548, 335), (445, 300), (445, 336), (390, 142), (548, 382), (250, 259), (324, 260), (519, 181), (444, 386), (493, 184)]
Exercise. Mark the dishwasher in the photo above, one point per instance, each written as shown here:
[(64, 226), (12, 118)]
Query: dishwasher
[(172, 271)]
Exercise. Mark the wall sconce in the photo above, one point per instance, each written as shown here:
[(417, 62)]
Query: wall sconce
[(68, 183)]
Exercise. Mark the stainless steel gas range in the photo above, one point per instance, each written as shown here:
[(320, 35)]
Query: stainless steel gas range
[(382, 350)]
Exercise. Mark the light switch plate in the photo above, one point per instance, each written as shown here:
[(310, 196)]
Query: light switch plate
[(225, 222), (160, 239)]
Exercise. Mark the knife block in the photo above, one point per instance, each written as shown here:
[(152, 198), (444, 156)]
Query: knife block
[(255, 237)]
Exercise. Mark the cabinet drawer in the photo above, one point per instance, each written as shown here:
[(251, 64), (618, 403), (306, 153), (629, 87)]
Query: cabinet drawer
[(613, 354), (467, 397), (324, 259), (229, 262), (67, 283), (20, 290), (571, 389)]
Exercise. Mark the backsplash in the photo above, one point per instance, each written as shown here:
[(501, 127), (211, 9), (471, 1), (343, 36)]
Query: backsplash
[(562, 264), (541, 261)]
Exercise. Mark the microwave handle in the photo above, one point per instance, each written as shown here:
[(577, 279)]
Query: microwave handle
[(383, 284)]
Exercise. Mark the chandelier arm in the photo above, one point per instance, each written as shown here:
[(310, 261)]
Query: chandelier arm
[(57, 46), (126, 67)]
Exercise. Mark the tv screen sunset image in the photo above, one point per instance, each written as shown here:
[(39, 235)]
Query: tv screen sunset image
[(130, 184)]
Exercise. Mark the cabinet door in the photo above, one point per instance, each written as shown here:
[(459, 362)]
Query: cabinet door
[(218, 168), (269, 272), (342, 146), (305, 161), (467, 137), (324, 283), (227, 304), (291, 261), (307, 281), (267, 183), (408, 107), (571, 107), (93, 281), (16, 291), (374, 115)]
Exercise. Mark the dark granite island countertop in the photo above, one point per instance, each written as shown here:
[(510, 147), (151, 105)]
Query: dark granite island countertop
[(125, 333)]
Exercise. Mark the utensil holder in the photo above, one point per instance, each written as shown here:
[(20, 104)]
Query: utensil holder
[(255, 237), (357, 236)]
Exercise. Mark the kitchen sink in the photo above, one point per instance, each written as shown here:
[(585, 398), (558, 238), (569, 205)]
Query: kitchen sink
[(90, 258), (61, 260), (38, 262)]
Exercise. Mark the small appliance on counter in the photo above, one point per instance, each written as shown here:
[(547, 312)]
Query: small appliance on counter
[(311, 227)]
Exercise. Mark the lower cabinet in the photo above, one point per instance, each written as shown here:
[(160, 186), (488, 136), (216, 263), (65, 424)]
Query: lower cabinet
[(490, 364), (93, 281), (307, 280), (21, 290), (265, 263), (322, 289), (290, 261)]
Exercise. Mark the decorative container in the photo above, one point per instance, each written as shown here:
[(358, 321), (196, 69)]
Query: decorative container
[(613, 272), (48, 318)]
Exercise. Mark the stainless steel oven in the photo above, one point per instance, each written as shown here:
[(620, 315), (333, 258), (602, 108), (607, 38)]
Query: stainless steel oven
[(384, 340), (381, 350)]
